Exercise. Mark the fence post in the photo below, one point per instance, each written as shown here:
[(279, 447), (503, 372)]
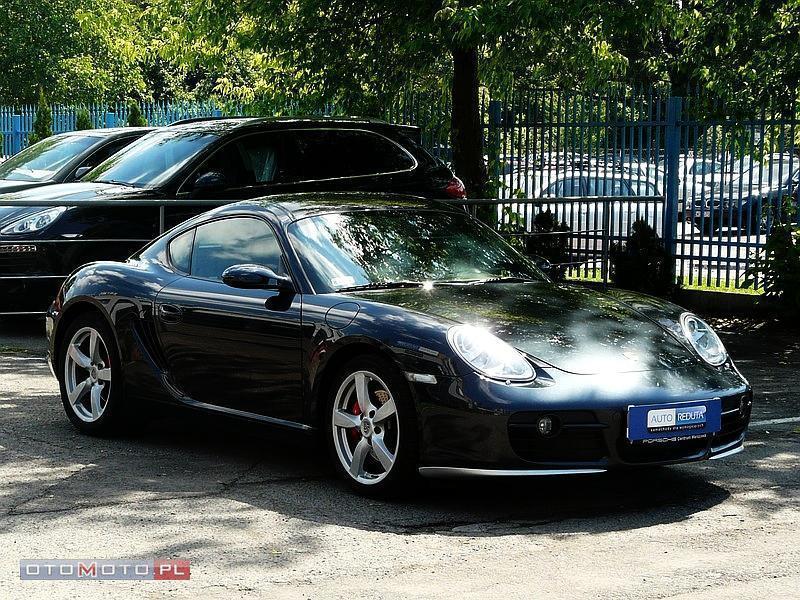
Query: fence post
[(111, 119), (16, 134), (672, 142), (493, 140)]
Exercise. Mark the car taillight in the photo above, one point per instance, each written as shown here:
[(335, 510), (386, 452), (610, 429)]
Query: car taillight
[(455, 188)]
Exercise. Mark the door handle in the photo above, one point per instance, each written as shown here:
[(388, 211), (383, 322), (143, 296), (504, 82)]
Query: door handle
[(169, 313)]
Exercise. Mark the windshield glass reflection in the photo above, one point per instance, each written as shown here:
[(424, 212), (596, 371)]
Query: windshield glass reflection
[(42, 161), (363, 248), (152, 160)]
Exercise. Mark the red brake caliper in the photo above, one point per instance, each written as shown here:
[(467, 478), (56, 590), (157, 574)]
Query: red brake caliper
[(353, 432)]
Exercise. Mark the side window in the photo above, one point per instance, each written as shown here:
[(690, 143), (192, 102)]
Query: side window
[(643, 188), (330, 153), (105, 152), (250, 160), (180, 251), (259, 153), (565, 188), (228, 164), (240, 240), (607, 186)]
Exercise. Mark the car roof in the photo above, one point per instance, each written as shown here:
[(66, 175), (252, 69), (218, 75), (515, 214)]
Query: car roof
[(287, 208), (221, 125), (109, 132)]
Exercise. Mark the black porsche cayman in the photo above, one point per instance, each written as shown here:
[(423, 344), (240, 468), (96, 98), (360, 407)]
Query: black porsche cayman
[(413, 338)]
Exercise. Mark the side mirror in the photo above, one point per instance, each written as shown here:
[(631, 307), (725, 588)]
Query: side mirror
[(544, 265), (210, 182), (80, 172), (256, 277)]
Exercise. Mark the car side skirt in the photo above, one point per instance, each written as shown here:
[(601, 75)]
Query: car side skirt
[(466, 472)]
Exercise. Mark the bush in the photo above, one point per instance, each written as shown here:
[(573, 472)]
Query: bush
[(550, 245), (43, 123), (135, 117), (642, 263), (83, 120), (778, 266)]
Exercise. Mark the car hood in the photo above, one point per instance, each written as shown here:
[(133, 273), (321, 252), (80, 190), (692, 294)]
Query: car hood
[(572, 328), (9, 185), (68, 192)]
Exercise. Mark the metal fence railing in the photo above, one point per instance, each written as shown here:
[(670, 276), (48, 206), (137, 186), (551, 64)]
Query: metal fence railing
[(725, 178)]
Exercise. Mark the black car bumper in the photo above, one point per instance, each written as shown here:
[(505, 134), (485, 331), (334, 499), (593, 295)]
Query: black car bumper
[(498, 434), (28, 294)]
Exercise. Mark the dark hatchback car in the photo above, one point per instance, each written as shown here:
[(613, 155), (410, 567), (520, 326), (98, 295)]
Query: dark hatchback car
[(414, 339), (64, 158), (226, 159)]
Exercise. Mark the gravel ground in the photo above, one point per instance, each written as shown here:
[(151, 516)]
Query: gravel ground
[(258, 515)]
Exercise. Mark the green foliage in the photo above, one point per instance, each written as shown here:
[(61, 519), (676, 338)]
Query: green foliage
[(550, 240), (83, 120), (135, 117), (778, 266), (642, 263), (43, 122)]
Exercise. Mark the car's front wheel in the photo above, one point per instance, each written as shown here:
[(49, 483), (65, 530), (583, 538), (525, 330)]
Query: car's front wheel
[(371, 427), (88, 372)]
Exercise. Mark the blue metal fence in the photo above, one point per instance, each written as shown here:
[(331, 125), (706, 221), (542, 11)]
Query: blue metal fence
[(16, 123), (711, 184), (726, 178)]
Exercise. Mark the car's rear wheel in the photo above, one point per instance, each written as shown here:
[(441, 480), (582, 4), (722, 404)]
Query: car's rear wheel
[(372, 427), (88, 372)]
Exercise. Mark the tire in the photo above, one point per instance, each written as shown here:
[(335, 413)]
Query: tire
[(376, 456), (93, 382)]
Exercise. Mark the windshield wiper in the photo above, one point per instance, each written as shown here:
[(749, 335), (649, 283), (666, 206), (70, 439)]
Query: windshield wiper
[(116, 182), (502, 280), (381, 285)]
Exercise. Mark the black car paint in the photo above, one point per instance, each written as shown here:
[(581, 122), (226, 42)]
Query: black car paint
[(85, 233), (464, 419)]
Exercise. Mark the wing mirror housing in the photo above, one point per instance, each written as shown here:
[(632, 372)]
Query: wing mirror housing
[(544, 265), (256, 277), (209, 182), (80, 172)]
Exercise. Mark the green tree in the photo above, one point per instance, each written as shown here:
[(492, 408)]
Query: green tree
[(83, 120), (43, 122), (382, 46), (135, 116)]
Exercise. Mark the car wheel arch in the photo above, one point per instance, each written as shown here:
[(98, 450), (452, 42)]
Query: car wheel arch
[(74, 310), (339, 355)]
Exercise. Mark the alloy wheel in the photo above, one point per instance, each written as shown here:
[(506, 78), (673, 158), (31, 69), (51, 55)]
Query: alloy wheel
[(87, 374), (366, 430)]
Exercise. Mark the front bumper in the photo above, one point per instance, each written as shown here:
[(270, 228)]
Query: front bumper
[(497, 434), (29, 294), (29, 276)]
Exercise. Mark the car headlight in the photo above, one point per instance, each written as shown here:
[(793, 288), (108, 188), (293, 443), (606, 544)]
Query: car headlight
[(34, 222), (488, 354), (703, 339)]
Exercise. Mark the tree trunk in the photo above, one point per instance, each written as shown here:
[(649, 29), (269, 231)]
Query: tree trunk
[(466, 130)]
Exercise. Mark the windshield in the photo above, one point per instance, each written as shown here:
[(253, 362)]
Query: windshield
[(374, 248), (152, 160), (43, 160)]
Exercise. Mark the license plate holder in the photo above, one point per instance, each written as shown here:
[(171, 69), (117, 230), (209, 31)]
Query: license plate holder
[(676, 420)]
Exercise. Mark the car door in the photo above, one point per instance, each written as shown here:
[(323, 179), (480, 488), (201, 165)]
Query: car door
[(234, 349)]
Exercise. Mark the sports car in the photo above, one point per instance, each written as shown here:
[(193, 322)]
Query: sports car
[(412, 338)]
